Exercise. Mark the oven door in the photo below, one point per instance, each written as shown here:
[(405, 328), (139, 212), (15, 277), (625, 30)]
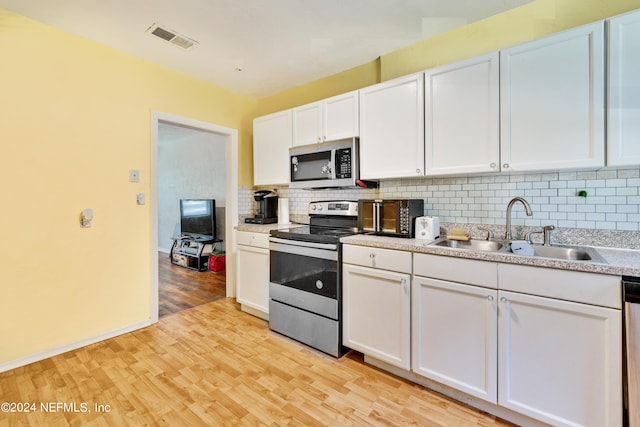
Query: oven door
[(305, 275)]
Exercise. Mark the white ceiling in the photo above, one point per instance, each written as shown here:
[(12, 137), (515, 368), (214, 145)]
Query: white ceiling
[(278, 44)]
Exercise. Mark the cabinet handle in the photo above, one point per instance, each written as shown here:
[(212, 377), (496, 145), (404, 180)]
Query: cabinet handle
[(418, 171), (506, 165), (490, 297), (372, 255), (492, 165), (405, 285), (503, 299)]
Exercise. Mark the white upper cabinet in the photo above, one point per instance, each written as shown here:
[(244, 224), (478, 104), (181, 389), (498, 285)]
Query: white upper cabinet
[(327, 120), (272, 138), (552, 101), (392, 128), (462, 117), (623, 124)]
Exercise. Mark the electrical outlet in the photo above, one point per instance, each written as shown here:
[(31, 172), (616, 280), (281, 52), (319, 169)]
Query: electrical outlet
[(140, 198), (134, 175)]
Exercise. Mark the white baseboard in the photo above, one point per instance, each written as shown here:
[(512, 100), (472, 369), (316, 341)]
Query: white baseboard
[(7, 366), (164, 250)]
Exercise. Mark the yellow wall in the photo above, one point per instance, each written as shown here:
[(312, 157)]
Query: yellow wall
[(528, 22), (533, 20), (74, 118)]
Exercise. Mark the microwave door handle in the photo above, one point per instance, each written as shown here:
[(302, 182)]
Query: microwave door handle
[(333, 164)]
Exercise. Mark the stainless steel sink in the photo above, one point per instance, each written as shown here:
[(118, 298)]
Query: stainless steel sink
[(476, 245), (567, 253)]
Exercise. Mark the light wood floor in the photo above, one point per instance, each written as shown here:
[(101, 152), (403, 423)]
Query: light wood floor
[(181, 288), (215, 365)]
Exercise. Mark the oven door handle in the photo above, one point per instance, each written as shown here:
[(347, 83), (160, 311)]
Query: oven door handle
[(327, 246), (318, 250)]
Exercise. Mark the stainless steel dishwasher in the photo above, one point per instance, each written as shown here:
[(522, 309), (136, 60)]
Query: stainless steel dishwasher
[(631, 286)]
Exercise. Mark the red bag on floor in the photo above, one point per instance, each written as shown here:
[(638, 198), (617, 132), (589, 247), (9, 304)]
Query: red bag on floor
[(217, 262)]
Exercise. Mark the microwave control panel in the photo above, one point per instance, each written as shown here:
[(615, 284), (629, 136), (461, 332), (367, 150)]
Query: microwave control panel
[(343, 163)]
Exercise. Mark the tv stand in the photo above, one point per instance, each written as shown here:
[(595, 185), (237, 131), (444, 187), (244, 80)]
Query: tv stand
[(192, 252)]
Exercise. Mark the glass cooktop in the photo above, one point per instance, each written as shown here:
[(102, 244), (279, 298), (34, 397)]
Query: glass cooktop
[(310, 233)]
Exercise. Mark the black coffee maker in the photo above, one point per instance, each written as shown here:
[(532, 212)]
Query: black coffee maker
[(267, 211)]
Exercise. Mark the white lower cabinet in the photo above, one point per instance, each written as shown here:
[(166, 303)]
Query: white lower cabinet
[(509, 335), (560, 362), (376, 304), (252, 272), (455, 325), (455, 336)]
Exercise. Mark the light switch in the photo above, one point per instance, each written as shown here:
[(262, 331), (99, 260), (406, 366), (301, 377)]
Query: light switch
[(134, 175), (140, 198)]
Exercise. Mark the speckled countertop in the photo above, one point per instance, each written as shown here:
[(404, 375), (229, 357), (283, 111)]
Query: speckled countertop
[(619, 262), (260, 228)]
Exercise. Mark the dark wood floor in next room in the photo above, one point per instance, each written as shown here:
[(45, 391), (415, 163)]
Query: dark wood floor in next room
[(182, 288)]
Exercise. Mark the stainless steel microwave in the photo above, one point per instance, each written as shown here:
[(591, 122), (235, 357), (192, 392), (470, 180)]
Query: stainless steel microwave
[(327, 164)]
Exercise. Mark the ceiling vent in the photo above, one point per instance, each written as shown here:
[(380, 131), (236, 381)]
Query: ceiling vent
[(171, 36)]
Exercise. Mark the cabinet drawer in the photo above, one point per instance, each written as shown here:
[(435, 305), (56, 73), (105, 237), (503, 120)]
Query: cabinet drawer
[(589, 288), (385, 259), (259, 240), (474, 272)]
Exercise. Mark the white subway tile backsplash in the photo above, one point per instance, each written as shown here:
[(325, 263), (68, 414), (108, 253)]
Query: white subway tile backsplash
[(629, 173), (627, 191), (607, 174), (627, 226), (612, 202), (605, 208)]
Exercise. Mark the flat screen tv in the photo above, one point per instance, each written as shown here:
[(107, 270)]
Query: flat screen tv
[(198, 218)]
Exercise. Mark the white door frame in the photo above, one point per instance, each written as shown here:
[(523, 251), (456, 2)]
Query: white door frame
[(231, 203)]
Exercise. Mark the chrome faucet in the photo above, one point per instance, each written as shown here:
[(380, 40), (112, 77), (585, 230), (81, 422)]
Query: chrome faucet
[(527, 208), (546, 231)]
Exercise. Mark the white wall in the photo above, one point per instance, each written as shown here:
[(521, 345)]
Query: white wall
[(191, 164)]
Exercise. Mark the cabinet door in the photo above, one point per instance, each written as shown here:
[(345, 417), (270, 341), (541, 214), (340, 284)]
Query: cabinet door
[(552, 101), (392, 128), (340, 114), (455, 336), (560, 362), (376, 313), (253, 277), (272, 136), (307, 124), (462, 119), (623, 125)]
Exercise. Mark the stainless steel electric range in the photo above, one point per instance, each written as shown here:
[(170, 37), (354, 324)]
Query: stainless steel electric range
[(305, 289)]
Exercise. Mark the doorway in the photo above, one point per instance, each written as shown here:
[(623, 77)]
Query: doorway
[(230, 136)]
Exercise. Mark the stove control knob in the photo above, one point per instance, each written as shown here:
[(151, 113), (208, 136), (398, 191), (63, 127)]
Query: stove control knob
[(320, 207), (312, 207), (319, 284)]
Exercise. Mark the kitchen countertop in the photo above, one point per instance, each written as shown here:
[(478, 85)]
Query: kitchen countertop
[(620, 262), (263, 228)]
